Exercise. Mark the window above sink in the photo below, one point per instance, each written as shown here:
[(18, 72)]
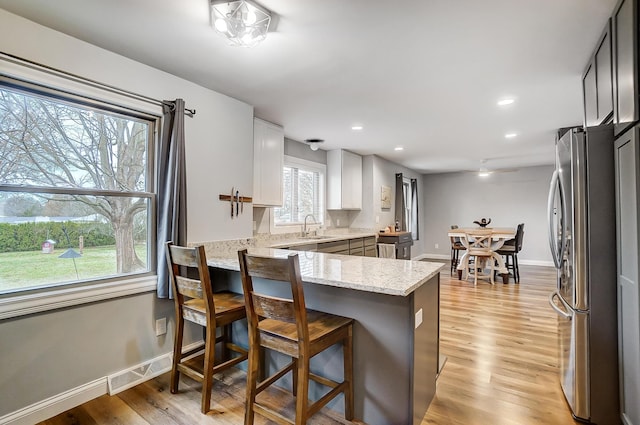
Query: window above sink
[(303, 195)]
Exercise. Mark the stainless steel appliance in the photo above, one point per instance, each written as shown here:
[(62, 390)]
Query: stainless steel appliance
[(582, 237)]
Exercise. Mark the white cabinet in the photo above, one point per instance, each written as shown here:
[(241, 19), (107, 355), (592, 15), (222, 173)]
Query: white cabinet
[(627, 201), (344, 180), (268, 160)]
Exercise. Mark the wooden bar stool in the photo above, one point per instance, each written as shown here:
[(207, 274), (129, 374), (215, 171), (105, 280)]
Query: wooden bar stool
[(196, 302), (286, 326)]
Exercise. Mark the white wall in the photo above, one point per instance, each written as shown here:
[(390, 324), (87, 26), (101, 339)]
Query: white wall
[(45, 354), (507, 198)]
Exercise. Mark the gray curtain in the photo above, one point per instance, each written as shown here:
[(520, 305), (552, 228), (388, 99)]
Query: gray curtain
[(172, 189), (415, 234), (400, 202)]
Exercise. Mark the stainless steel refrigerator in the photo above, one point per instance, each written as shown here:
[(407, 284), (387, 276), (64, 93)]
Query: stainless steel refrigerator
[(582, 237)]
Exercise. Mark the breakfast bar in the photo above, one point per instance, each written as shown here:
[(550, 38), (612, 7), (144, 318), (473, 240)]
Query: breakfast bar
[(395, 304)]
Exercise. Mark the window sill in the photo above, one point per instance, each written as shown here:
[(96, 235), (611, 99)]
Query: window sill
[(21, 305)]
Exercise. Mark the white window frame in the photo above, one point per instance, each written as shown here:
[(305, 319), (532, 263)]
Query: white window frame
[(290, 161), (16, 304)]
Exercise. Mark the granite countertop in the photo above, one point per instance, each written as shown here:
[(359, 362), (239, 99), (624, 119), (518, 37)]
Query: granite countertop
[(370, 274)]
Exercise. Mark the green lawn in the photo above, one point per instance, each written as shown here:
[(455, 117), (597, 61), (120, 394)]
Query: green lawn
[(33, 268)]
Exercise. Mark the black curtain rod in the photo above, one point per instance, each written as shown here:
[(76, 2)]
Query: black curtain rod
[(97, 84), (172, 105)]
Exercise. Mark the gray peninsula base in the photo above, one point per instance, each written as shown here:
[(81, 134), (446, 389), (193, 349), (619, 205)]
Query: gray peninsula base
[(395, 346)]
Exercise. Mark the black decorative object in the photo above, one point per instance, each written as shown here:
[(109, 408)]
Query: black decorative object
[(483, 222)]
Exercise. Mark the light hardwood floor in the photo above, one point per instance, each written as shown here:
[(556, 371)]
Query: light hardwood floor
[(501, 369), (501, 348)]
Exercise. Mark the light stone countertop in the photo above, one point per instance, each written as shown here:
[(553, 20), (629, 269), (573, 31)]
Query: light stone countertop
[(378, 275)]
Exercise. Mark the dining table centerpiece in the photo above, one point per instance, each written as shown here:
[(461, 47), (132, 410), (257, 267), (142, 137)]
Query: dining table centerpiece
[(483, 222)]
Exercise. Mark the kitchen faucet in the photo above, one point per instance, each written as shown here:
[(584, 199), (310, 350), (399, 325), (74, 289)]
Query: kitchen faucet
[(305, 232)]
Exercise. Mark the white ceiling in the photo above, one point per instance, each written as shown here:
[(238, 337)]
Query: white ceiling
[(422, 74)]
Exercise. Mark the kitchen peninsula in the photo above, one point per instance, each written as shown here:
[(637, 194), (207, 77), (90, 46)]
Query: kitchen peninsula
[(396, 307)]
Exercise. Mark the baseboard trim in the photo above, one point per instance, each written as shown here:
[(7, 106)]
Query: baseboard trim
[(52, 406), (536, 263), (542, 263), (57, 404), (436, 256)]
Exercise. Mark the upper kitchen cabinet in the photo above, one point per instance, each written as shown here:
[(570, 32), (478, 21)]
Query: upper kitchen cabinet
[(344, 180), (268, 160), (596, 82), (624, 24)]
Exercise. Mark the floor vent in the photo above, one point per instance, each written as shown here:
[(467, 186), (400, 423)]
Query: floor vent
[(131, 377)]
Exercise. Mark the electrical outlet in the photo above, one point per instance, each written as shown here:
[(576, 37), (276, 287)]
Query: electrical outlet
[(437, 246), (377, 219), (337, 222), (161, 326), (418, 318)]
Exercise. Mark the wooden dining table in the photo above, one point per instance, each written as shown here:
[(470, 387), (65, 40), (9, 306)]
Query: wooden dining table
[(499, 235)]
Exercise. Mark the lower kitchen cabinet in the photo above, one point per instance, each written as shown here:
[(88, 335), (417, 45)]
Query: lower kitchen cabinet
[(334, 247), (370, 247), (627, 149), (402, 241)]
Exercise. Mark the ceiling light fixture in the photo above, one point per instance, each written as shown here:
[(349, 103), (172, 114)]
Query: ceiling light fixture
[(398, 148), (243, 23), (314, 143), (510, 135), (505, 102), (356, 127)]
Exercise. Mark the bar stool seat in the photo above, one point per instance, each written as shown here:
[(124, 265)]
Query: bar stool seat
[(287, 326)]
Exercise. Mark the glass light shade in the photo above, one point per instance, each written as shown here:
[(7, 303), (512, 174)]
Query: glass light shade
[(241, 22)]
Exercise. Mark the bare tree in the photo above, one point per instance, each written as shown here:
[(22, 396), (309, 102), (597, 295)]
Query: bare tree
[(52, 143)]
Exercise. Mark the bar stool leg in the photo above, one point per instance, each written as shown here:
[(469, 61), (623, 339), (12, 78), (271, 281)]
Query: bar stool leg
[(177, 354), (294, 375), (302, 392), (252, 378), (209, 361), (348, 375)]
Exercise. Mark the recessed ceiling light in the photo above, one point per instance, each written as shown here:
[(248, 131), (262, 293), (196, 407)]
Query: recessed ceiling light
[(510, 135), (505, 102), (398, 148), (357, 127)]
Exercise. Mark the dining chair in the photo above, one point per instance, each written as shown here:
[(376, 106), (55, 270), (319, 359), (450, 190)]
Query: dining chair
[(456, 247), (285, 325), (510, 250), (479, 250), (196, 302)]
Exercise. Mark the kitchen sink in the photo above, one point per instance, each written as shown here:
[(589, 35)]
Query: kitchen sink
[(315, 237)]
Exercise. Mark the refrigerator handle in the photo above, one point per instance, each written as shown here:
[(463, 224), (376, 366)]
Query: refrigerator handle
[(555, 307), (556, 187)]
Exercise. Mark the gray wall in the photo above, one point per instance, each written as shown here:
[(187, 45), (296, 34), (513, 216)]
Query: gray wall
[(507, 198), (43, 355)]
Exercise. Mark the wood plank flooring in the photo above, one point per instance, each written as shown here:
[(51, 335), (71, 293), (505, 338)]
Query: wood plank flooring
[(500, 343), (501, 348)]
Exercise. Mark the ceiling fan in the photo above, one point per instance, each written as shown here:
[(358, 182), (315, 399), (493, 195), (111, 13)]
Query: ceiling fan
[(485, 171)]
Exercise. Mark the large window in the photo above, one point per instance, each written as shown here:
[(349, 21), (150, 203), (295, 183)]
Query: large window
[(76, 190), (303, 193), (406, 193)]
